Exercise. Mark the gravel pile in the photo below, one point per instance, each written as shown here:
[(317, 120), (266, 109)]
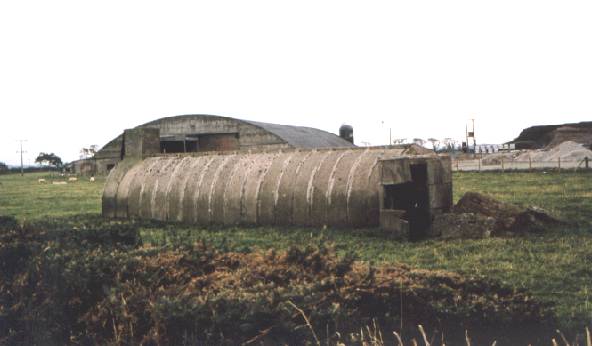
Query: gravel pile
[(568, 151)]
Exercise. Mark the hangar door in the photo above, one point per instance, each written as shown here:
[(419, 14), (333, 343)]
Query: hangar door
[(199, 142), (218, 142)]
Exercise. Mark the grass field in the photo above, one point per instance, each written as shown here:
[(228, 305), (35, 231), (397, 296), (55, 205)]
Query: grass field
[(555, 266), (27, 199)]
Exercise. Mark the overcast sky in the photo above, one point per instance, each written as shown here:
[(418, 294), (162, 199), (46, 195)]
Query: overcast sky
[(76, 73)]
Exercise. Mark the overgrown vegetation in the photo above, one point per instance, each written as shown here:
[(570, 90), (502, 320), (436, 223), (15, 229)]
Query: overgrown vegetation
[(554, 266), (99, 286)]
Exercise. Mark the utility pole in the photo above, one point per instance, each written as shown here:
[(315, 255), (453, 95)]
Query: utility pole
[(469, 135), (474, 138), (466, 138), (390, 137), (21, 152)]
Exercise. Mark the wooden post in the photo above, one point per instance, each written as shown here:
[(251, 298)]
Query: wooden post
[(586, 162), (559, 164), (457, 165), (502, 163), (530, 163), (479, 165)]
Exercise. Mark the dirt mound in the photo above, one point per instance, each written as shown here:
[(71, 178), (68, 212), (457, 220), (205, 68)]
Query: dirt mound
[(497, 158), (463, 226), (567, 151), (579, 133), (110, 292), (548, 136), (508, 218)]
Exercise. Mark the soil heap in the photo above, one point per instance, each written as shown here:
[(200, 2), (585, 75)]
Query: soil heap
[(480, 216), (548, 136)]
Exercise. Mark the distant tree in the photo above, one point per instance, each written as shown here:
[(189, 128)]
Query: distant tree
[(419, 141), (399, 140), (49, 159), (3, 168), (89, 152), (449, 144), (435, 143)]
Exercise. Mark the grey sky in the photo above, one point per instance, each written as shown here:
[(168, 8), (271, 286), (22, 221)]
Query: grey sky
[(76, 73)]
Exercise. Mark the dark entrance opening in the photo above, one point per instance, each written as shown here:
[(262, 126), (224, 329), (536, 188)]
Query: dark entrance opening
[(172, 146), (191, 146), (200, 142), (412, 198)]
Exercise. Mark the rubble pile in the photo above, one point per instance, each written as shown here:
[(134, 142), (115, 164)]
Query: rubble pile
[(480, 216)]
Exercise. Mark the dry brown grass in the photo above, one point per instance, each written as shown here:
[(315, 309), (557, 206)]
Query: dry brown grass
[(373, 337)]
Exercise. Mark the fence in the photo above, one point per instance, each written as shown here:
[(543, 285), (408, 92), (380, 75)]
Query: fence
[(478, 165)]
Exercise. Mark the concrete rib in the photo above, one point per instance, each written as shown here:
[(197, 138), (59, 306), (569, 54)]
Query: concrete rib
[(213, 187), (196, 194), (349, 183)]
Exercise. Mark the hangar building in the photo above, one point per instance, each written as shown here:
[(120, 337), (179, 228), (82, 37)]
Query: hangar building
[(201, 133)]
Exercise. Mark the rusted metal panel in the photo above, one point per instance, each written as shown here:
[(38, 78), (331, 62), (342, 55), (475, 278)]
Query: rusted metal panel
[(218, 142)]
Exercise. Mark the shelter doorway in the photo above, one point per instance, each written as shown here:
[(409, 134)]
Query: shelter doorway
[(412, 198)]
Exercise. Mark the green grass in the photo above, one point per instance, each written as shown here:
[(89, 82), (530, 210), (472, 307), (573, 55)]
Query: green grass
[(27, 199), (565, 195), (554, 266)]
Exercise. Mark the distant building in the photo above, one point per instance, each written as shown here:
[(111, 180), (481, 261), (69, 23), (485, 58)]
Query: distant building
[(508, 147), (487, 148), (199, 133)]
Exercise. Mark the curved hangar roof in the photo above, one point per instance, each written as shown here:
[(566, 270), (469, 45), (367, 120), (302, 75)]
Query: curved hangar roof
[(249, 134), (303, 137), (295, 136)]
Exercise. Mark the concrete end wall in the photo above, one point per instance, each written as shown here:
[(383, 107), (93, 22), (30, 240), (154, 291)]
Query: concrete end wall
[(141, 142), (440, 184), (393, 222), (439, 188)]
